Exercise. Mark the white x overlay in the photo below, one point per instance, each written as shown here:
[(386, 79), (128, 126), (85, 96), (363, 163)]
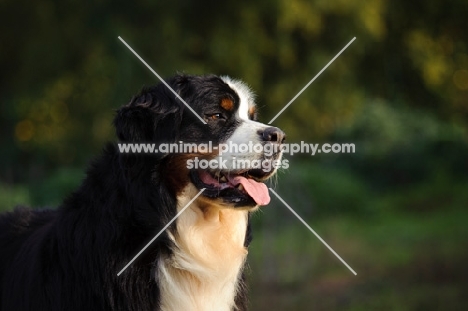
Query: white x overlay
[(162, 230), (310, 82), (161, 79), (199, 193), (312, 230)]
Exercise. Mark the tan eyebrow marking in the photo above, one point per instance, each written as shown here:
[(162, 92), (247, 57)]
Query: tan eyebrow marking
[(227, 104)]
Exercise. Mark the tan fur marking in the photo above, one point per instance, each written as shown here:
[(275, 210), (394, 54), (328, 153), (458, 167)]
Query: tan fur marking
[(252, 111), (227, 104)]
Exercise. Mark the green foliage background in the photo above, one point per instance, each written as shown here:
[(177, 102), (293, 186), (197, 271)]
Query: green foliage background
[(395, 210)]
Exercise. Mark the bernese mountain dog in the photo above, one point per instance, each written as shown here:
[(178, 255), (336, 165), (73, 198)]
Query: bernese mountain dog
[(69, 258)]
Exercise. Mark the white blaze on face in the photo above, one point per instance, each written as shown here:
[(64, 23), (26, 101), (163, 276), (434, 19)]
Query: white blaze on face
[(248, 130), (246, 96)]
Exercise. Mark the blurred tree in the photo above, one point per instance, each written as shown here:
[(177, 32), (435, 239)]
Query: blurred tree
[(64, 71)]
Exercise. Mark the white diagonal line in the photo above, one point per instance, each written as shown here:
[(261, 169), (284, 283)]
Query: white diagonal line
[(162, 230), (161, 79), (313, 79), (312, 230)]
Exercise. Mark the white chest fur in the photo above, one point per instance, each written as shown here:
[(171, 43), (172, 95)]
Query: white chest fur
[(203, 273)]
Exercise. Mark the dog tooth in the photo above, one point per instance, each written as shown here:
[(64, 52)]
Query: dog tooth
[(240, 187), (223, 179)]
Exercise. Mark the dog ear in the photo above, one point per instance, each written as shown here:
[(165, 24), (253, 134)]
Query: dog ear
[(152, 116), (133, 122)]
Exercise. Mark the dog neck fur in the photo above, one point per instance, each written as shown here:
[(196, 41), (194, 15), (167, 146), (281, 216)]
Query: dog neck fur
[(203, 272)]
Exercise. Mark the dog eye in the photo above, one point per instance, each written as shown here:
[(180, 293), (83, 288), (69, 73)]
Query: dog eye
[(215, 116)]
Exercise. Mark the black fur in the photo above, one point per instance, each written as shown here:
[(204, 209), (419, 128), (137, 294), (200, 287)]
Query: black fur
[(68, 259)]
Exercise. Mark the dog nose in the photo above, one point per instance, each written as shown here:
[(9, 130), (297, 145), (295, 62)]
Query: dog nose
[(273, 134)]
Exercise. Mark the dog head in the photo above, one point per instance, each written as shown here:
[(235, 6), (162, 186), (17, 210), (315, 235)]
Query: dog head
[(230, 156)]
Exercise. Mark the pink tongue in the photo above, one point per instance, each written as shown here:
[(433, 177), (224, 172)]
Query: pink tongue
[(257, 190)]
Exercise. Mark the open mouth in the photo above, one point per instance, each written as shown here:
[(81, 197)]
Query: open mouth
[(240, 188)]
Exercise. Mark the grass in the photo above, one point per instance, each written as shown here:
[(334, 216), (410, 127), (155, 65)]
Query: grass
[(405, 243), (12, 195), (404, 262), (44, 193)]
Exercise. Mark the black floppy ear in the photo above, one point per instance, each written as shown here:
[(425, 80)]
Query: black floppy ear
[(133, 123), (152, 116)]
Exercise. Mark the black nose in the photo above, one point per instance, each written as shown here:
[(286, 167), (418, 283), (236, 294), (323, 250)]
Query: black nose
[(273, 134)]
